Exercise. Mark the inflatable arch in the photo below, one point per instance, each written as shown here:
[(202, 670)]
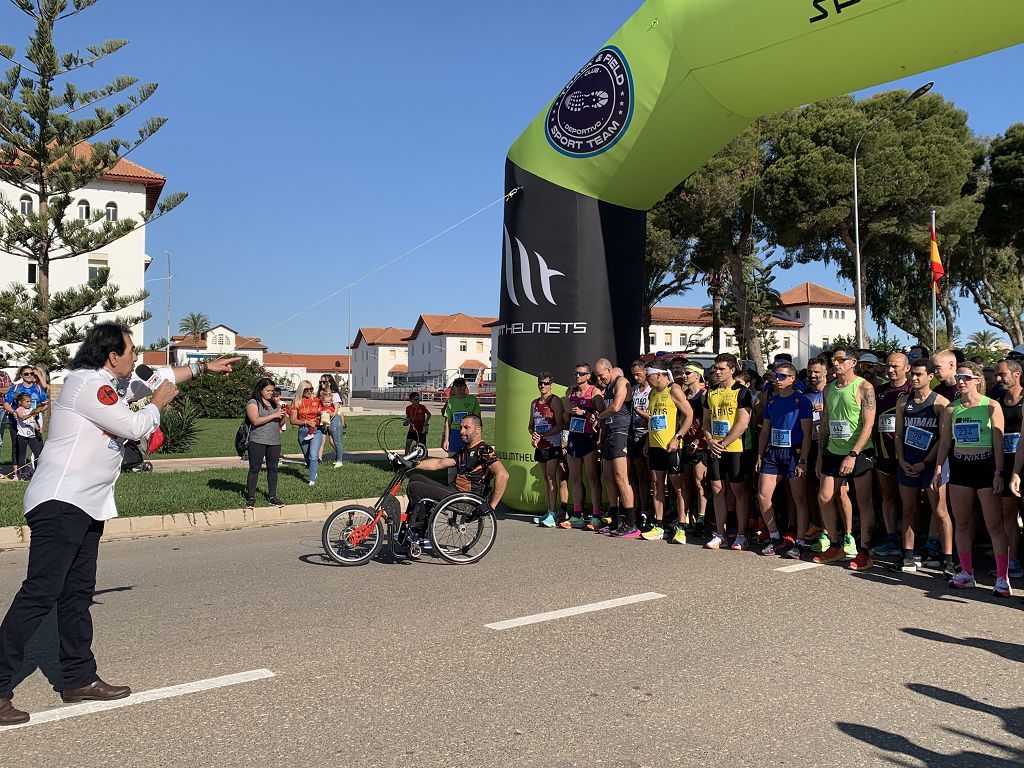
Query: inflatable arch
[(676, 83)]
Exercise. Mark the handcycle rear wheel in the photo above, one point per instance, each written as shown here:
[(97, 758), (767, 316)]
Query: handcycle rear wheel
[(350, 535), (460, 534)]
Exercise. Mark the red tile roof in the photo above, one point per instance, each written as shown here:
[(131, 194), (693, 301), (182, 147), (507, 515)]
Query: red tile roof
[(241, 342), (389, 336), (126, 171), (312, 363), (809, 293), (249, 342), (188, 341), (400, 368), (699, 316), (459, 324), (473, 364)]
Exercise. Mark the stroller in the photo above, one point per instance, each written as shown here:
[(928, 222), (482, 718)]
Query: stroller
[(133, 459)]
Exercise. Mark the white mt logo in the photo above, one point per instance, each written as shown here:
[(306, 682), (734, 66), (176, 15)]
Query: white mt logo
[(526, 273)]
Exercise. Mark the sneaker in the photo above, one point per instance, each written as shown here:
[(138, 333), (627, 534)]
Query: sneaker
[(276, 502), (963, 580), (627, 533), (1002, 588), (312, 483), (813, 532), (931, 560), (679, 537), (888, 549), (594, 524), (861, 562), (654, 534), (830, 555), (1014, 570), (338, 464), (564, 524), (904, 566), (738, 544), (793, 551), (948, 569), (821, 542), (849, 546), (577, 522), (717, 542), (774, 548), (606, 530), (250, 502), (546, 522)]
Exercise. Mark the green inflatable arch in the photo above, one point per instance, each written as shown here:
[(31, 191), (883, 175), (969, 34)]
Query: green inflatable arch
[(676, 83)]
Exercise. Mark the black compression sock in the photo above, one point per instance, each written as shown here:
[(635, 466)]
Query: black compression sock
[(629, 516)]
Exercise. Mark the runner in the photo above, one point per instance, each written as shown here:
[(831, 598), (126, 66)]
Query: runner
[(727, 409), (886, 460), (918, 416), (670, 418), (817, 373), (944, 383), (676, 481), (614, 420), (546, 418), (1008, 374), (636, 451), (786, 428), (460, 404), (971, 426), (847, 419), (695, 468), (584, 403)]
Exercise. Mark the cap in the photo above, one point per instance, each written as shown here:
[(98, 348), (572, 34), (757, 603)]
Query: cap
[(869, 357)]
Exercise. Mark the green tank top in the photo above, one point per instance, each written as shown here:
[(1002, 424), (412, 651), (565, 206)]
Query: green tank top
[(972, 427), (843, 416)]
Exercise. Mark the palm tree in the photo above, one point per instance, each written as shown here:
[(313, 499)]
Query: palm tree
[(983, 339), (194, 324)]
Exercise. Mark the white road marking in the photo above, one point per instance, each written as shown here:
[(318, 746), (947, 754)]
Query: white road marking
[(797, 567), (91, 707), (562, 613)]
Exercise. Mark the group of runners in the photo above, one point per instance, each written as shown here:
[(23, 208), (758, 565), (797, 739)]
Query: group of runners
[(784, 460)]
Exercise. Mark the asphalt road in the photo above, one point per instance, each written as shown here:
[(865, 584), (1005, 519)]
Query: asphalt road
[(391, 664)]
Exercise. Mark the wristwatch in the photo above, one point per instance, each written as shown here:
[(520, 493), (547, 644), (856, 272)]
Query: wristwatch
[(853, 454), (802, 462)]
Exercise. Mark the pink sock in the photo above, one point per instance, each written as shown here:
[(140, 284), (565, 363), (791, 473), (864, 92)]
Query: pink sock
[(967, 562), (1002, 567)]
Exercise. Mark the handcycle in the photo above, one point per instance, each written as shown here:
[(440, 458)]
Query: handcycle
[(457, 530)]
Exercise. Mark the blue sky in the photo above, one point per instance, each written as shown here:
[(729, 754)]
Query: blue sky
[(319, 140)]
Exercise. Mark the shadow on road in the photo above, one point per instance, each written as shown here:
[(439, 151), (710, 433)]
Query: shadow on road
[(107, 591), (1009, 651)]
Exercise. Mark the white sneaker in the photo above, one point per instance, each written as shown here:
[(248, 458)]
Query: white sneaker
[(1002, 588), (739, 544), (717, 542), (337, 465), (963, 580), (312, 483)]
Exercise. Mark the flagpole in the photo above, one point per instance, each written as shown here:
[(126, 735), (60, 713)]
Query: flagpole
[(935, 293)]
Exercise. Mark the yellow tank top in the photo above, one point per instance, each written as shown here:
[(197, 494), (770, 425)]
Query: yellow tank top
[(662, 425), (723, 405)]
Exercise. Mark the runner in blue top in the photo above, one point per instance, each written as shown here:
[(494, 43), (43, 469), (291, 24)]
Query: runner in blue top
[(783, 450), (28, 382)]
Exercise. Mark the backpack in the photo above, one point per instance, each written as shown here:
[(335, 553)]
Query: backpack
[(242, 438)]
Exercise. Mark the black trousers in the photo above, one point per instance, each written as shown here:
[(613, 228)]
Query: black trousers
[(61, 572), (26, 444), (15, 453), (257, 453)]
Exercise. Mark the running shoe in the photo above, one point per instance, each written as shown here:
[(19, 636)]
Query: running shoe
[(698, 527), (963, 580), (774, 548), (1014, 570), (813, 532), (627, 533), (577, 522), (830, 555), (861, 562), (1002, 588), (904, 566), (679, 537), (932, 560), (546, 522), (717, 542), (849, 546), (948, 569), (793, 551), (738, 544), (594, 524), (889, 548), (250, 502), (656, 533), (564, 523), (606, 530), (821, 543)]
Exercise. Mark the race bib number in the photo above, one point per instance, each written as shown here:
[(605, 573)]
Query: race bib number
[(540, 424), (458, 417), (967, 433), (887, 424), (918, 438), (577, 424), (719, 428), (659, 422), (1010, 442), (782, 438), (839, 430)]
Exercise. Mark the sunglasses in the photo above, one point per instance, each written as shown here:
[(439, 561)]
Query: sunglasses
[(543, 383), (782, 376), (308, 389), (964, 376), (839, 360), (582, 373)]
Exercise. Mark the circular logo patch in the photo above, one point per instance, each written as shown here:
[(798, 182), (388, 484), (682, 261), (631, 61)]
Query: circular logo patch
[(594, 109), (106, 395)]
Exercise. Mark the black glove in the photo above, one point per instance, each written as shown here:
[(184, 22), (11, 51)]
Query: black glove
[(484, 508)]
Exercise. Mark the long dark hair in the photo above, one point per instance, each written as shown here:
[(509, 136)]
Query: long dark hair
[(100, 341), (331, 383), (257, 393)]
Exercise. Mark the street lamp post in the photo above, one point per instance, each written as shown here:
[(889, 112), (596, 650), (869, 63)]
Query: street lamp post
[(856, 212)]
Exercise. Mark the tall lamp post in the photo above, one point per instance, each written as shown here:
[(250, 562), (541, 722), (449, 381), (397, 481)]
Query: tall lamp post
[(856, 213)]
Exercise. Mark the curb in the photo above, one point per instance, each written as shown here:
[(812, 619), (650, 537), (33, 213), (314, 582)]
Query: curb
[(18, 536)]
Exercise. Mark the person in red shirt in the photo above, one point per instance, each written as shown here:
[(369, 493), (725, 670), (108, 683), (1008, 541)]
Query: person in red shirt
[(417, 419)]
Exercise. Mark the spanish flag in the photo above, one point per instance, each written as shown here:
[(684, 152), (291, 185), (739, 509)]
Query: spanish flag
[(937, 270)]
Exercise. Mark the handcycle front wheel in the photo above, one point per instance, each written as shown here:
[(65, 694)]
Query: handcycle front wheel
[(352, 534), (458, 532)]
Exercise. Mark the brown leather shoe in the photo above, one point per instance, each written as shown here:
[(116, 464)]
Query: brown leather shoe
[(11, 716), (97, 691)]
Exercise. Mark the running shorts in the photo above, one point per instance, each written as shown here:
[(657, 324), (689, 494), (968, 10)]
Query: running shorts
[(731, 466), (779, 461), (581, 444), (972, 470), (830, 464), (544, 455), (614, 445)]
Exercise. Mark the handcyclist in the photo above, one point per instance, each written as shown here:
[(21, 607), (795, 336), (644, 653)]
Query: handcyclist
[(728, 408), (546, 419), (474, 464), (847, 421), (972, 426), (640, 474), (918, 416), (1008, 375), (670, 418), (584, 402), (886, 396), (460, 404), (614, 420)]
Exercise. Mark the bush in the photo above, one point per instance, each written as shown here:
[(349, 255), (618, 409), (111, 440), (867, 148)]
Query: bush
[(179, 422), (224, 397)]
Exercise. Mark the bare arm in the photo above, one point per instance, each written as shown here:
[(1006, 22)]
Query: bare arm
[(500, 475), (683, 406), (868, 407), (618, 402), (431, 465)]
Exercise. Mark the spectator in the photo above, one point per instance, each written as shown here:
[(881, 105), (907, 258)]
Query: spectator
[(265, 416), (29, 383), (30, 431), (417, 419), (5, 385), (460, 404), (337, 426), (305, 414)]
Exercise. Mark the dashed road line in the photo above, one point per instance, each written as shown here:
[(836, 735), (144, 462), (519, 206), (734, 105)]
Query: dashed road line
[(604, 605)]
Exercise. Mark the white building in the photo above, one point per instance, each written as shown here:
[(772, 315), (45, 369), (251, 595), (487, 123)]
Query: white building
[(380, 358), (447, 346), (824, 314), (126, 191), (219, 341), (689, 329), (296, 367)]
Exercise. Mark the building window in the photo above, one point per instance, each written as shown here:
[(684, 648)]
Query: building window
[(668, 339), (95, 265), (479, 346), (682, 340), (31, 273), (462, 345), (831, 316), (393, 354), (111, 211), (728, 341), (785, 342), (84, 212), (824, 342), (652, 339), (26, 205), (798, 314), (843, 313)]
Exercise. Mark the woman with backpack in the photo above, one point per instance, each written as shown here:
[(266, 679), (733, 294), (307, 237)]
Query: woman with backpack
[(264, 414)]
